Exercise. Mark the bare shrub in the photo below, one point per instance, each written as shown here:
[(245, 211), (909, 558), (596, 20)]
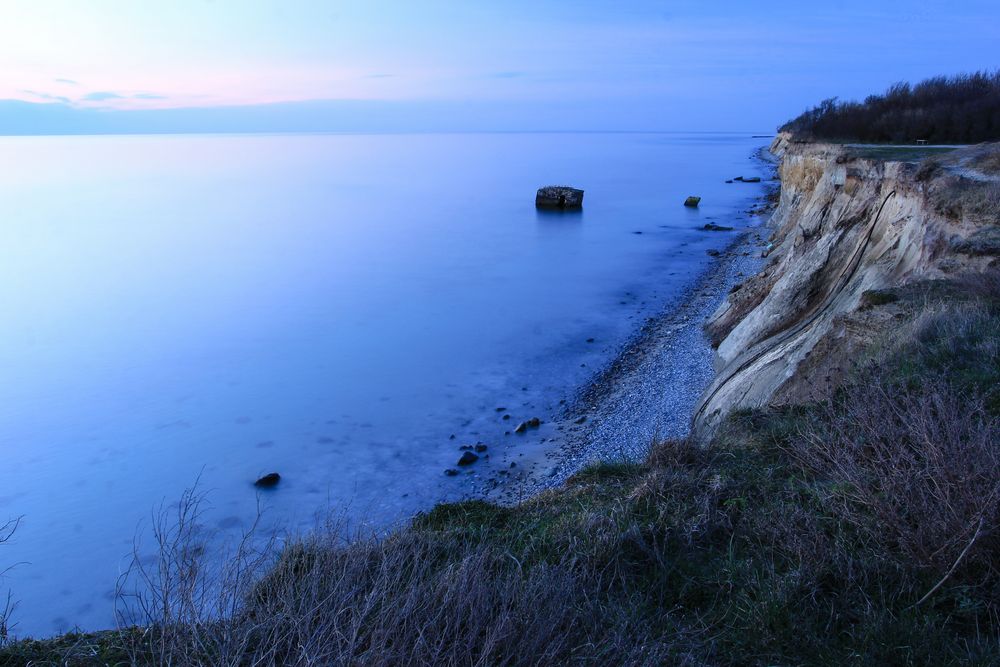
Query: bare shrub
[(7, 607), (415, 600), (915, 470), (180, 594), (416, 597)]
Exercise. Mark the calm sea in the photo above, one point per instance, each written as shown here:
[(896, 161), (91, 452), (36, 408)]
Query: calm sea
[(330, 307)]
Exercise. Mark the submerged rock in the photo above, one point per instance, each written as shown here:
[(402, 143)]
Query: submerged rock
[(692, 202), (751, 179), (534, 422), (268, 481), (559, 197), (468, 458), (712, 227)]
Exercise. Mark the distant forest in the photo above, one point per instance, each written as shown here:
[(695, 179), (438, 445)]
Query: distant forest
[(947, 110)]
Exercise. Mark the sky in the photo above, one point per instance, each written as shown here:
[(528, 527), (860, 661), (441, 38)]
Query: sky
[(187, 65)]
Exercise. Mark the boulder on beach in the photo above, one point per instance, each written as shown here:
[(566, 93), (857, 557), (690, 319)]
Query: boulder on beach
[(268, 481), (559, 197), (692, 202)]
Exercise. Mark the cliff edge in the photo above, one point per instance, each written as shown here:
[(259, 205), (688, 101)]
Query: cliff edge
[(852, 225)]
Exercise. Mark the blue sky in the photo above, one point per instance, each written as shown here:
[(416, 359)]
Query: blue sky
[(433, 64)]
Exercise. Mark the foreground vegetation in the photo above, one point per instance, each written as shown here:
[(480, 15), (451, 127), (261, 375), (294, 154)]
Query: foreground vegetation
[(944, 110)]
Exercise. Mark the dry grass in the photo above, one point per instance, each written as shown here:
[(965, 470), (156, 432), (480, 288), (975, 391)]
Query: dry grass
[(988, 162), (417, 597), (916, 470), (959, 198)]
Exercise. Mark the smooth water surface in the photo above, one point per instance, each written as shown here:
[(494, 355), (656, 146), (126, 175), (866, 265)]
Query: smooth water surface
[(330, 307)]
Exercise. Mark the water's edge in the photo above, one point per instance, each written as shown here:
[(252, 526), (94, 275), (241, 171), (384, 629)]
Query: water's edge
[(650, 389)]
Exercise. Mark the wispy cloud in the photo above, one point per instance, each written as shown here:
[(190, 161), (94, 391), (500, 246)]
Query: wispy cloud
[(148, 96), (101, 96), (47, 97), (70, 82)]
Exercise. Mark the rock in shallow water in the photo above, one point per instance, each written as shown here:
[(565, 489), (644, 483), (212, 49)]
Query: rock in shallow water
[(467, 459), (534, 422), (692, 202), (268, 481), (559, 197)]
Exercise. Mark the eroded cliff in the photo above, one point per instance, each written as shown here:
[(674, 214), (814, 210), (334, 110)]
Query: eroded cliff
[(852, 225)]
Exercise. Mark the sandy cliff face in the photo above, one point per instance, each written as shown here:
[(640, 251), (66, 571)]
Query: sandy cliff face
[(845, 228)]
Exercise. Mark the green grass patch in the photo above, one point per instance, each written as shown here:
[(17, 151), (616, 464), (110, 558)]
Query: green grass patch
[(893, 153)]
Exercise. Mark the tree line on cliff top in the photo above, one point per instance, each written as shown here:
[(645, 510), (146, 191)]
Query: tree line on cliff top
[(957, 109)]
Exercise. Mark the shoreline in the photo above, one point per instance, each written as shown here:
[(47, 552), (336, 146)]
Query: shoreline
[(651, 387)]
